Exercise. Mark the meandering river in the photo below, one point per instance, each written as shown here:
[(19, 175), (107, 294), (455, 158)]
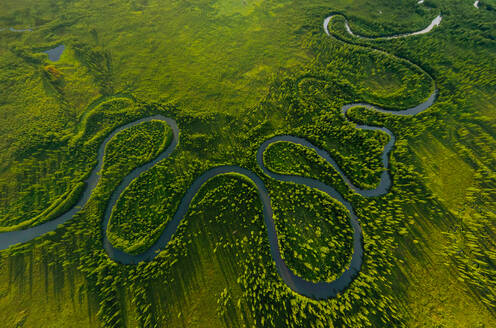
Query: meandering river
[(435, 22), (315, 290)]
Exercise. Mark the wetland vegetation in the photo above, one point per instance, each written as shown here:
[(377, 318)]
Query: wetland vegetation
[(234, 75)]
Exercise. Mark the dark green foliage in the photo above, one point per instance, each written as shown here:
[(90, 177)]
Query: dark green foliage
[(314, 232), (99, 63), (140, 143), (241, 74), (134, 226)]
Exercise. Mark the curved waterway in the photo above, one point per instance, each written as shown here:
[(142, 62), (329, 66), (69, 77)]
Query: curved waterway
[(435, 22), (16, 30), (315, 290)]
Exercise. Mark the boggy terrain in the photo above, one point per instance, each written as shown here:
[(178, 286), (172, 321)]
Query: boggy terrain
[(290, 149), (319, 290)]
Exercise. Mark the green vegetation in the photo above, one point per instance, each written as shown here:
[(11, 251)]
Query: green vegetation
[(144, 142), (46, 170), (373, 77), (292, 159), (233, 74), (59, 207), (314, 232), (145, 207), (140, 143)]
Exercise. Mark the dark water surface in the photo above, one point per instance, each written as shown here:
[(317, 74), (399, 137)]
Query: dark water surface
[(55, 53)]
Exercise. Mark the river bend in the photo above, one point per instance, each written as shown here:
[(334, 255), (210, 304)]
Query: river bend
[(435, 22), (315, 290)]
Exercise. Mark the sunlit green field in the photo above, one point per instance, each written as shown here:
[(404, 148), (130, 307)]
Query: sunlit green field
[(233, 74)]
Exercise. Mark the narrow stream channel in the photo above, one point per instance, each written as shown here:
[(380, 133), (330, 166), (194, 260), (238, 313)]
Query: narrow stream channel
[(319, 290)]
